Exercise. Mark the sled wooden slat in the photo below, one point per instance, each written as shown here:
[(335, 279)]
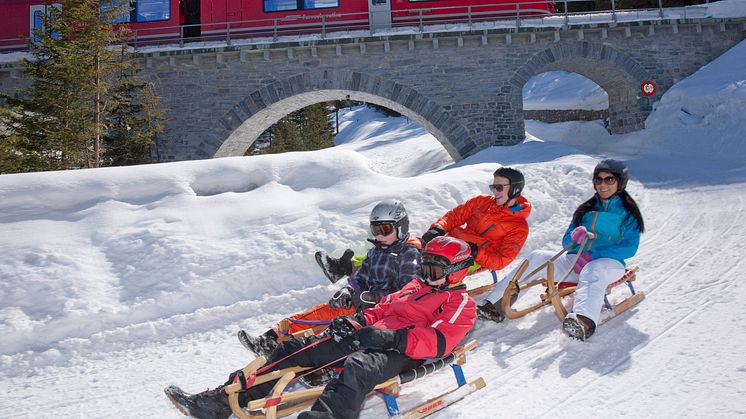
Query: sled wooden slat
[(310, 395), (277, 390), (623, 306), (233, 389), (444, 400)]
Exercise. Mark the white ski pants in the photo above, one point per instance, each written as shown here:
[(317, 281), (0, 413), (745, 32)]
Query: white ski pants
[(592, 280)]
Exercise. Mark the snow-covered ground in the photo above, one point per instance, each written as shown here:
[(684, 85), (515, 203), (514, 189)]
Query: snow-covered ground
[(117, 282)]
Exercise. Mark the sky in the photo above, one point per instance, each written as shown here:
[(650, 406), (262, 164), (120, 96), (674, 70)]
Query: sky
[(117, 282)]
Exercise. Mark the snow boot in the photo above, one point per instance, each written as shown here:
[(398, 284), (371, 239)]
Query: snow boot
[(262, 345), (335, 269), (489, 311), (210, 404), (578, 326)]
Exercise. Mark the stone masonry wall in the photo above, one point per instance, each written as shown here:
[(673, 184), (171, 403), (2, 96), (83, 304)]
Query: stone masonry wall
[(464, 87)]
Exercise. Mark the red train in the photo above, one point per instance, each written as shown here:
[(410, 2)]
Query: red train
[(167, 21)]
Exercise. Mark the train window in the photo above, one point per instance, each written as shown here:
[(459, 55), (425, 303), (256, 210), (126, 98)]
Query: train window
[(123, 15), (37, 20), (280, 5), (319, 4), (376, 2), (152, 10), (38, 23)]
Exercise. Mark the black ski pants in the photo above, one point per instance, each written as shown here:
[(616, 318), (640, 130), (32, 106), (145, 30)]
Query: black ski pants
[(343, 397)]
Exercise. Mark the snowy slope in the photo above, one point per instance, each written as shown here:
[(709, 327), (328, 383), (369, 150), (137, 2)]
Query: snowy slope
[(117, 282)]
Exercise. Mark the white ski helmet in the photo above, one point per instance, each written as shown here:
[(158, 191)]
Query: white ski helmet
[(391, 212)]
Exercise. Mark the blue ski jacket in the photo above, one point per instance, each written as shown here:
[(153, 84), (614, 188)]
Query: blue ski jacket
[(617, 232)]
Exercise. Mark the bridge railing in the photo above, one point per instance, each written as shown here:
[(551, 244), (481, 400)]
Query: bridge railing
[(430, 19)]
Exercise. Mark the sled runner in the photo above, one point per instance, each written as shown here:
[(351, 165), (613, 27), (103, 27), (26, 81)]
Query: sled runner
[(280, 403), (555, 290)]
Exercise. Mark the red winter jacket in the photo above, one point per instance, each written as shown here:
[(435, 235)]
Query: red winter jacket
[(439, 319), (499, 231)]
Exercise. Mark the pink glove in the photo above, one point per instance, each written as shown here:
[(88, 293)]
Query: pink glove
[(583, 260), (580, 233)]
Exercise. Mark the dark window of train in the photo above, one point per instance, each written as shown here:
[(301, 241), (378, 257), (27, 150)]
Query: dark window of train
[(319, 4), (280, 5), (142, 10), (375, 2), (38, 23), (152, 10), (123, 7), (287, 5)]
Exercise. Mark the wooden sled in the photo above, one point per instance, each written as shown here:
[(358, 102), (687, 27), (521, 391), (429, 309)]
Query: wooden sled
[(555, 290), (280, 403)]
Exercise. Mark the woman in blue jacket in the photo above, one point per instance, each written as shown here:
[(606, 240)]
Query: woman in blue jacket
[(611, 222)]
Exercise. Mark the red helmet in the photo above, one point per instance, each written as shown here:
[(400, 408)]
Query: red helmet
[(447, 257)]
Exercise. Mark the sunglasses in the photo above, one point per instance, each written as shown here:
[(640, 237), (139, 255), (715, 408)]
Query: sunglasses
[(610, 180), (382, 229), (498, 187)]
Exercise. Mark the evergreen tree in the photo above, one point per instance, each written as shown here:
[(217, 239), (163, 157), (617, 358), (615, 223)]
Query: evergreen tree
[(135, 121), (307, 129), (78, 61), (316, 128), (286, 136)]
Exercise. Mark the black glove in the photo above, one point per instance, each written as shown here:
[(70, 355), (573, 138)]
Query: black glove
[(342, 298), (473, 249), (372, 337), (343, 327), (432, 233)]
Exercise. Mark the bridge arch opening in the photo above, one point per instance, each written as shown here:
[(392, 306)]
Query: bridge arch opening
[(243, 136), (561, 96), (616, 73)]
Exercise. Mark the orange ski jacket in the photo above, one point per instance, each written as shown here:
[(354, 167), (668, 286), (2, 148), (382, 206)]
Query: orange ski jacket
[(499, 231)]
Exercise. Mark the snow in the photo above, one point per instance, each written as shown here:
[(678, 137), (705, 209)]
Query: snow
[(117, 282), (563, 90)]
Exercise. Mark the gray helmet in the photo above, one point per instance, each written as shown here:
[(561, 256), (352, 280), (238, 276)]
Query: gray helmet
[(391, 211), (616, 168), (516, 180)]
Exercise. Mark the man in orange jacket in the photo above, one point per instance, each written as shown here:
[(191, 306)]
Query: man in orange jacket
[(494, 225)]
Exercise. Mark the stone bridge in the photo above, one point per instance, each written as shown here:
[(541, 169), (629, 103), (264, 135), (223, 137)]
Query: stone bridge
[(465, 88)]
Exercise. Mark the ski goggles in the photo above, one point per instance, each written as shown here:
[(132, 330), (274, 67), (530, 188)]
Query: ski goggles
[(382, 229), (498, 187), (609, 180), (434, 270)]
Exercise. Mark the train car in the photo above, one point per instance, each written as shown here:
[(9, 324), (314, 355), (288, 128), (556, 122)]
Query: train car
[(152, 21), (167, 21), (14, 31), (434, 12), (260, 18), (221, 19)]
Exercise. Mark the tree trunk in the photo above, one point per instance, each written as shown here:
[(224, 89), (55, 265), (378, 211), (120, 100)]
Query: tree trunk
[(97, 117)]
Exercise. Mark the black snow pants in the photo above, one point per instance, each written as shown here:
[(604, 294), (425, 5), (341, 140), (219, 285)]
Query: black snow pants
[(343, 397)]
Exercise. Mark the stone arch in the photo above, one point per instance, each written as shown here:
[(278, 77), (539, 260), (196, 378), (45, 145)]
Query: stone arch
[(241, 126), (617, 73)]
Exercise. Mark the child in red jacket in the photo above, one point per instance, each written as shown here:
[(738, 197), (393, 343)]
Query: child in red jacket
[(425, 319)]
